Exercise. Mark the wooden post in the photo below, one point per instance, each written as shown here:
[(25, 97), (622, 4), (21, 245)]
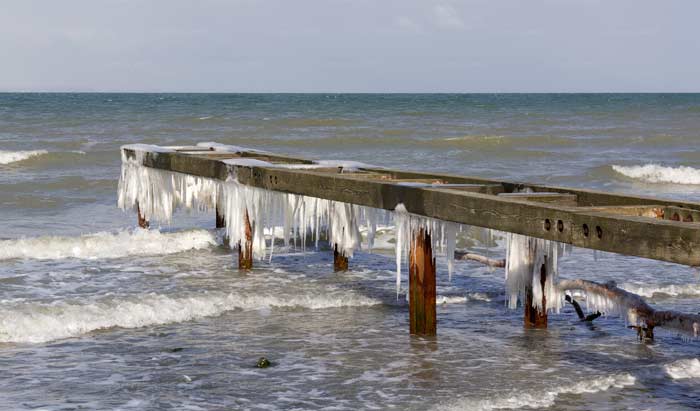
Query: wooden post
[(245, 251), (533, 317), (143, 223), (421, 287), (340, 261), (220, 220)]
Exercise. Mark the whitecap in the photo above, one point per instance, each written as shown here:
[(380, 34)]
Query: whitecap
[(683, 369), (7, 157), (106, 244), (656, 290), (524, 399), (654, 173), (41, 322)]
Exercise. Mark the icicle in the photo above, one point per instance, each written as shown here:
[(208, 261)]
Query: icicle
[(401, 222), (371, 222), (450, 244)]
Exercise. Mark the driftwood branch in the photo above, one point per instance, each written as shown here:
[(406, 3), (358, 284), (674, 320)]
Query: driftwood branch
[(638, 311), (491, 262)]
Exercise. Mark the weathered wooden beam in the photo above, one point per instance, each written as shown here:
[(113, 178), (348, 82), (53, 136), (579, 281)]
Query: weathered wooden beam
[(542, 197), (686, 215), (245, 251), (422, 286), (602, 227), (535, 318), (340, 261)]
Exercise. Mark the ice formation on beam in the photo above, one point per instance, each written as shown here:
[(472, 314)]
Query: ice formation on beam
[(158, 193), (524, 258), (443, 236)]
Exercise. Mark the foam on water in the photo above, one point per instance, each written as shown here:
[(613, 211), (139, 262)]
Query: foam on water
[(7, 157), (654, 173), (518, 400), (683, 369), (107, 244), (36, 322)]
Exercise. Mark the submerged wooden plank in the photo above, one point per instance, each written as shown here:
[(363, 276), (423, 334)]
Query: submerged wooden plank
[(617, 223)]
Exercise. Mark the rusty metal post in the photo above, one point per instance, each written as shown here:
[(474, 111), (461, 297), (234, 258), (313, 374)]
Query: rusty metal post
[(533, 317), (143, 223), (421, 287), (245, 251), (340, 261), (220, 220)]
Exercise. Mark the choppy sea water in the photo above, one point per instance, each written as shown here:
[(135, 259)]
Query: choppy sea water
[(96, 314)]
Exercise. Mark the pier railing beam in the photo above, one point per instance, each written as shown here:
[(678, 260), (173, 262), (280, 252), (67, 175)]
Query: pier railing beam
[(340, 261), (421, 288), (535, 318), (245, 251), (143, 223)]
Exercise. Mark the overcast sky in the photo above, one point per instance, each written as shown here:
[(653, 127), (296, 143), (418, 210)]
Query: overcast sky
[(350, 45)]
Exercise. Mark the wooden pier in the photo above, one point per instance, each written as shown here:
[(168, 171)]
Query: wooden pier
[(645, 227)]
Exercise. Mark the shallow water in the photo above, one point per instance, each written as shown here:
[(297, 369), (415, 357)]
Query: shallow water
[(96, 314)]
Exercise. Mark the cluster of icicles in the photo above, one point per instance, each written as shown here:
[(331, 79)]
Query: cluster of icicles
[(158, 193)]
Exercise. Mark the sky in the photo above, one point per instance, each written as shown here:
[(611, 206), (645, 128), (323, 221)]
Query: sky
[(350, 45)]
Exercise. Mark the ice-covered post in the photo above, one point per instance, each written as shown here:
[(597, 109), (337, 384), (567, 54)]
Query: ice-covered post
[(143, 223), (421, 287), (245, 251), (535, 318), (340, 261), (220, 219)]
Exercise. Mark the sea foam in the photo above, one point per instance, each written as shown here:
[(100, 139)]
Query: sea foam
[(683, 369), (654, 173), (7, 157), (38, 322), (106, 245), (518, 400)]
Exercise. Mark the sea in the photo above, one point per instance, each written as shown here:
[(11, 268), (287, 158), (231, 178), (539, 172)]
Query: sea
[(97, 314)]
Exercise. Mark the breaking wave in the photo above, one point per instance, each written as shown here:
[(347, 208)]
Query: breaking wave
[(461, 299), (546, 399), (37, 323), (106, 245), (654, 173), (671, 290), (7, 157), (683, 369)]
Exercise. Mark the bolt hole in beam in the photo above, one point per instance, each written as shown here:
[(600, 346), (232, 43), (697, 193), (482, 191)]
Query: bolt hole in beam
[(599, 231), (560, 226), (547, 224), (586, 230)]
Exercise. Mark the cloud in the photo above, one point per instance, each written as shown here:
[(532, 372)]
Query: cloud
[(447, 17), (406, 23)]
